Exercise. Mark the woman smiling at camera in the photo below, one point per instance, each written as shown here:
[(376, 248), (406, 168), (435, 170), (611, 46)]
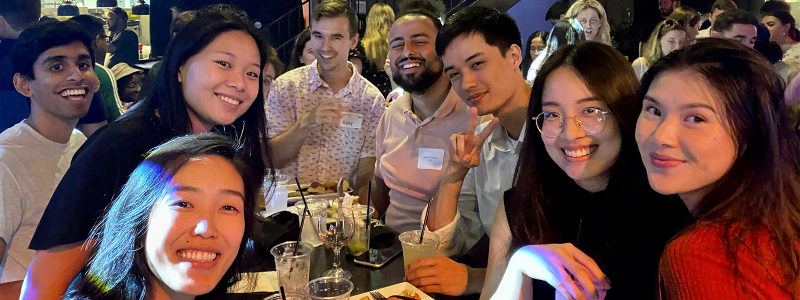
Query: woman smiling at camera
[(731, 157), (177, 229), (581, 204)]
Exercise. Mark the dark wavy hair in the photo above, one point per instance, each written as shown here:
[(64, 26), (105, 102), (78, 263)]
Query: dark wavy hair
[(167, 95), (118, 270), (762, 188), (297, 50), (786, 18), (611, 79)]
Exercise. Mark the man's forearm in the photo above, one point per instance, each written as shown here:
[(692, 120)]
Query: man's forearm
[(444, 207), (286, 146)]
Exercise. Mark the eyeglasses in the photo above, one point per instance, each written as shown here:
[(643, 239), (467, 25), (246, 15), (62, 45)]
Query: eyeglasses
[(592, 21), (589, 120)]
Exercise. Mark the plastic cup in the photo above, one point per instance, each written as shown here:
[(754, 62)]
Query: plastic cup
[(360, 241), (289, 296), (292, 263), (274, 193), (413, 250), (315, 206), (329, 288)]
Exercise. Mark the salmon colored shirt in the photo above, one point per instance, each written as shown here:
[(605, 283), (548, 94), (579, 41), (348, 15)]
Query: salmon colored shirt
[(330, 151), (694, 267), (411, 154)]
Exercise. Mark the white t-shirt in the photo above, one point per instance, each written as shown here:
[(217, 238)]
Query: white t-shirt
[(31, 166)]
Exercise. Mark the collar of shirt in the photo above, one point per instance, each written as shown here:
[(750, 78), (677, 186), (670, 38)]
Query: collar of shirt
[(354, 84), (500, 140), (447, 107)]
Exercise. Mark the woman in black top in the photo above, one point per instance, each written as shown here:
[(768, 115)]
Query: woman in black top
[(581, 217), (210, 78)]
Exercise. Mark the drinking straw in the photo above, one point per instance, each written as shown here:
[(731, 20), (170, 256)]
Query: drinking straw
[(305, 209), (578, 238), (283, 294), (369, 196), (425, 221)]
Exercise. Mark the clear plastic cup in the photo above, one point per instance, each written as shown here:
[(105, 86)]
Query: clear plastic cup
[(315, 206), (274, 193), (289, 296), (329, 288), (360, 241), (413, 250), (292, 263)]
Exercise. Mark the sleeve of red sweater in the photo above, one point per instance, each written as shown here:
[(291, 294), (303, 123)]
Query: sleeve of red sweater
[(694, 267)]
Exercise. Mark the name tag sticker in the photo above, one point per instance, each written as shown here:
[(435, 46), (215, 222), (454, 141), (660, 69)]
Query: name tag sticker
[(430, 159), (351, 120)]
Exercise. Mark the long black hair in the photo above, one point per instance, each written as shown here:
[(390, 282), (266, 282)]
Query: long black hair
[(528, 60), (168, 100), (761, 190), (119, 270), (610, 78), (297, 50)]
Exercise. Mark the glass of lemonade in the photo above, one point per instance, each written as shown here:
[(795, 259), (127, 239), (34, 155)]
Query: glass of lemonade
[(414, 250), (360, 241), (292, 263)]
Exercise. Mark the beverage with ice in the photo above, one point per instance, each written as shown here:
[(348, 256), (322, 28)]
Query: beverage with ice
[(358, 244), (414, 250), (292, 263)]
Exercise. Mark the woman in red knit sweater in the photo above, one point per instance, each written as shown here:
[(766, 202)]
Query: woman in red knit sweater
[(713, 129)]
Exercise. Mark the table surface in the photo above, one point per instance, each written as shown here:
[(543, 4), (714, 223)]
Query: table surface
[(364, 278)]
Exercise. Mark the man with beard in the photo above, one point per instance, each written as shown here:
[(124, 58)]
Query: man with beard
[(124, 46), (413, 134)]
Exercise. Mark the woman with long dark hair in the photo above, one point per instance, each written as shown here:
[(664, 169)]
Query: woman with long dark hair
[(192, 192), (302, 54), (581, 204), (535, 44), (729, 153), (209, 80), (565, 32), (783, 30)]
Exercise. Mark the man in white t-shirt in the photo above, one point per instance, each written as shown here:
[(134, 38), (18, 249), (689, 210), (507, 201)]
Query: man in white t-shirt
[(53, 66)]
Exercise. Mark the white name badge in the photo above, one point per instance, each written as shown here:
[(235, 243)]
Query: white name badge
[(430, 159), (351, 120)]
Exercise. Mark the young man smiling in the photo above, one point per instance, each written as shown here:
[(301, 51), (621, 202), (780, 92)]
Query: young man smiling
[(322, 117), (53, 67), (481, 51)]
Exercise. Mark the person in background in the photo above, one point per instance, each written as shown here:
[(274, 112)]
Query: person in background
[(691, 21), (376, 46), (358, 58), (190, 194), (108, 85), (717, 8), (481, 49), (729, 153), (773, 5), (565, 32), (15, 16), (535, 45), (302, 53), (129, 81), (772, 52), (323, 117), (593, 19), (783, 30), (669, 36), (647, 25), (737, 25), (178, 22), (667, 7), (274, 68), (124, 45), (211, 78), (53, 68), (556, 12)]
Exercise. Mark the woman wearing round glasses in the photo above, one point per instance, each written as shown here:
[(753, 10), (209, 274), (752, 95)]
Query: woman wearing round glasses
[(581, 215), (669, 35)]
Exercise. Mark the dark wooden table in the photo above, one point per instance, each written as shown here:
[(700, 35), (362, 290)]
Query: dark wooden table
[(364, 278)]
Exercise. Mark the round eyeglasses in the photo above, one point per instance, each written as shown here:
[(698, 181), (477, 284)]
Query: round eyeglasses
[(589, 120)]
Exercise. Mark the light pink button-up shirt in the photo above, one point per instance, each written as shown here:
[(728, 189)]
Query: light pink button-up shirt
[(331, 151), (401, 135)]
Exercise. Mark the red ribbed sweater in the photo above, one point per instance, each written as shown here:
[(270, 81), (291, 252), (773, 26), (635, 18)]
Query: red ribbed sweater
[(694, 266)]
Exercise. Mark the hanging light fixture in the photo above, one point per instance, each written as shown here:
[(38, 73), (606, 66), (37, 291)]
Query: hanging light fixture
[(140, 8), (67, 8), (106, 3)]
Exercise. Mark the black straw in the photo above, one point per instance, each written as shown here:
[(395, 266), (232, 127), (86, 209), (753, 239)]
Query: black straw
[(578, 238), (369, 200), (283, 294), (305, 209), (425, 221)]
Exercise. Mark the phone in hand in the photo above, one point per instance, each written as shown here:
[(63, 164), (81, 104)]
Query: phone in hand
[(377, 258)]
